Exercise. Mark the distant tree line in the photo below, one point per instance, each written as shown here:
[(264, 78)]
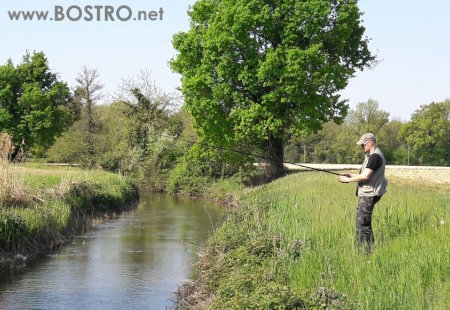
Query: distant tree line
[(424, 140)]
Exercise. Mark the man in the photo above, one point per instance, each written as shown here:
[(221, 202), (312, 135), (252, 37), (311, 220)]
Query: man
[(371, 186)]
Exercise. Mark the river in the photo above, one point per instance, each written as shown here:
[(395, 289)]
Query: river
[(133, 262)]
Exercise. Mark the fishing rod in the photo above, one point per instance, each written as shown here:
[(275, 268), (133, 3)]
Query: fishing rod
[(246, 154)]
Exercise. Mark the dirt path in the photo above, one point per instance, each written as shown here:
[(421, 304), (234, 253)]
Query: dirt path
[(429, 175), (414, 174)]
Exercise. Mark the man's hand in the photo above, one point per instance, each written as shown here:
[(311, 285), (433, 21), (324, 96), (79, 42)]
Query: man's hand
[(344, 178)]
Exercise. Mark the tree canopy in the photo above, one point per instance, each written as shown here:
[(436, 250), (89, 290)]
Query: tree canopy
[(428, 133), (255, 70), (33, 103), (89, 91), (368, 117)]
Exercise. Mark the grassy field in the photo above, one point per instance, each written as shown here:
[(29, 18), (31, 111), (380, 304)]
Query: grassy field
[(291, 243), (40, 204)]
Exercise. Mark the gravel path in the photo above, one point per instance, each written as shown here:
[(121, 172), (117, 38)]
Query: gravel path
[(415, 174), (431, 175)]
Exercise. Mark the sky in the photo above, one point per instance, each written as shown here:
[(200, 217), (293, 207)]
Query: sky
[(410, 38)]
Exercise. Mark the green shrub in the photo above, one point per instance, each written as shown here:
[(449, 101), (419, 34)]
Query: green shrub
[(12, 228), (109, 161), (87, 195), (186, 177), (200, 166), (246, 268)]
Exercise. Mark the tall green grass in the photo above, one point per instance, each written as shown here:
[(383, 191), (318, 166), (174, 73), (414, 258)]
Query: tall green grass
[(314, 214), (49, 217), (39, 202)]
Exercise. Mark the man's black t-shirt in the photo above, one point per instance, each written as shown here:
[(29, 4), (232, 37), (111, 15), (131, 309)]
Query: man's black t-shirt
[(374, 162)]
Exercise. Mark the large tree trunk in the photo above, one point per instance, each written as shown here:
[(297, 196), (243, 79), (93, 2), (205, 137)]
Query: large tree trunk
[(18, 153), (273, 167)]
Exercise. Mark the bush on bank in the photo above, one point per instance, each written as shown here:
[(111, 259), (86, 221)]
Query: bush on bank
[(196, 171)]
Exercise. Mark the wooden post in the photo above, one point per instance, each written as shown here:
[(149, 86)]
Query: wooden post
[(408, 154), (304, 153)]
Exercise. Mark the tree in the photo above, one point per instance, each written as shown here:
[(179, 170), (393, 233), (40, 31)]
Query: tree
[(150, 108), (76, 104), (336, 144), (70, 147), (367, 117), (33, 103), (255, 70), (150, 115), (89, 90), (428, 133), (110, 139), (395, 151)]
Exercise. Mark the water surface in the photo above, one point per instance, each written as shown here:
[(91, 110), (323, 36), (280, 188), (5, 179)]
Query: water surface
[(134, 262)]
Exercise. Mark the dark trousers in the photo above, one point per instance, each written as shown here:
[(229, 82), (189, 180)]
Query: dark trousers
[(364, 233)]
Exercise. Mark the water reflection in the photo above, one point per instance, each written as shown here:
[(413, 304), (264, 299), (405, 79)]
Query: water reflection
[(134, 262)]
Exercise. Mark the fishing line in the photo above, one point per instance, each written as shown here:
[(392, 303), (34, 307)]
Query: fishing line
[(247, 154)]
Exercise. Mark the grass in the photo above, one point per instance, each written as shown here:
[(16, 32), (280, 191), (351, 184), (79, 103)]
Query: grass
[(39, 203), (38, 176), (305, 225)]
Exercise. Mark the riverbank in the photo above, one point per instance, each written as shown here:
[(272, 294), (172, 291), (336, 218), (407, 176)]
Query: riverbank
[(291, 244), (41, 207)]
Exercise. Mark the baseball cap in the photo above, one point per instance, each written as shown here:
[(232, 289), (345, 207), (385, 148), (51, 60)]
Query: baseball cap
[(366, 137)]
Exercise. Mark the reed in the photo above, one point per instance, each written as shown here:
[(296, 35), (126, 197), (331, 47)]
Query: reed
[(13, 190)]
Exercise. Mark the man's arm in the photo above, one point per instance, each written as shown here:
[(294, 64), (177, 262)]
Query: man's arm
[(362, 177), (373, 164)]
